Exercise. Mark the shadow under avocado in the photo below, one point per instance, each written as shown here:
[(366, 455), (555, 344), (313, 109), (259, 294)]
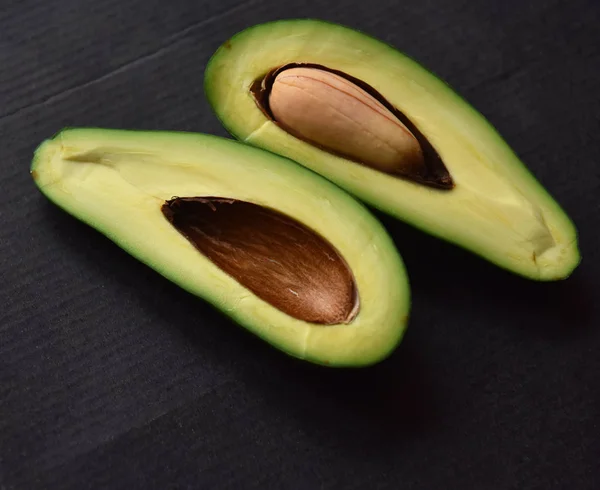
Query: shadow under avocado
[(444, 272)]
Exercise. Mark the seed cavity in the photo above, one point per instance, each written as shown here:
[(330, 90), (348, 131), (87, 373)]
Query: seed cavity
[(347, 117), (279, 259)]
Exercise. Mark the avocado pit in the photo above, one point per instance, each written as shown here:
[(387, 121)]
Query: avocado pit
[(279, 259), (378, 135)]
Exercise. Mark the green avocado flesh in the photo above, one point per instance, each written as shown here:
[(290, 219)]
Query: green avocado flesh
[(284, 252), (488, 202)]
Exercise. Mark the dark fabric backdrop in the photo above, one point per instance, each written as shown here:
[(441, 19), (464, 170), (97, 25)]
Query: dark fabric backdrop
[(111, 377)]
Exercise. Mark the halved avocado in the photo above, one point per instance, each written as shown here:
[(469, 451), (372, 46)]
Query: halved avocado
[(474, 192), (281, 250)]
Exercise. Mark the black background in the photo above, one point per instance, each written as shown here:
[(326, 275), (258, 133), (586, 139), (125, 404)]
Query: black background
[(112, 377)]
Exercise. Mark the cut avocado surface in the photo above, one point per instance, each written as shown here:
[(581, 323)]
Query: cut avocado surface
[(284, 252), (474, 191)]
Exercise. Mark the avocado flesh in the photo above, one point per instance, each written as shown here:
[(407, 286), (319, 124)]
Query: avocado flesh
[(496, 209), (117, 181)]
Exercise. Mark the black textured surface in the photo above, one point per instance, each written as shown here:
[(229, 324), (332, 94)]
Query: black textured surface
[(111, 377)]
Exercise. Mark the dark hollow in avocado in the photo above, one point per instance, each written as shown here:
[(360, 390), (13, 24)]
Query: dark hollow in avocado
[(278, 258)]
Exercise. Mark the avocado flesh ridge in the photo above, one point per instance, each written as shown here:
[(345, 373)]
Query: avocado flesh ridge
[(497, 208), (117, 183)]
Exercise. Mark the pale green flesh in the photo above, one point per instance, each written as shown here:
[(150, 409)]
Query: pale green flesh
[(497, 209), (116, 181)]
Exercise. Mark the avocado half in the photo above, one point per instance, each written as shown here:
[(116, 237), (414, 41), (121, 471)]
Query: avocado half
[(479, 196), (281, 250)]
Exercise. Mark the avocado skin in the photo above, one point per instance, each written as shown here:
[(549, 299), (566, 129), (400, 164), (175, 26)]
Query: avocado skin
[(535, 264), (324, 352)]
